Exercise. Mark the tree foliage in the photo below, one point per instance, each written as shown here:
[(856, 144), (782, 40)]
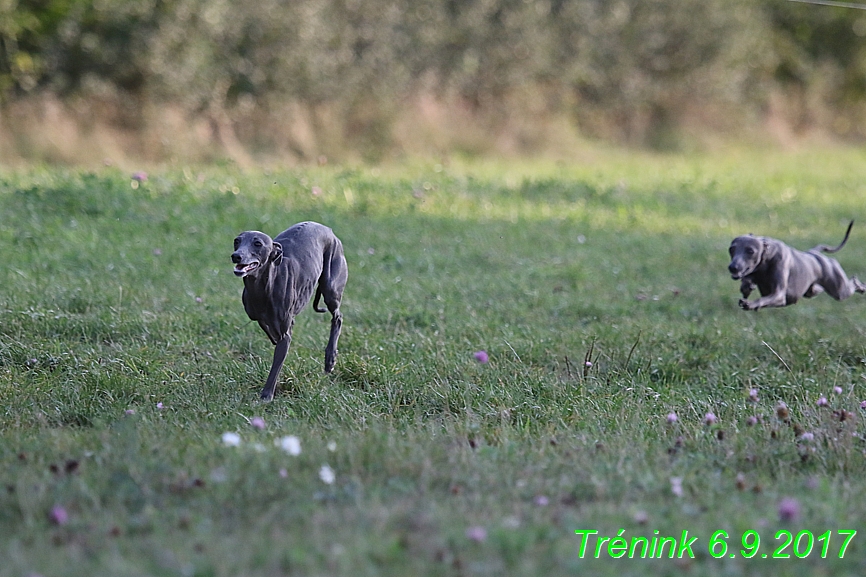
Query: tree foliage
[(630, 69)]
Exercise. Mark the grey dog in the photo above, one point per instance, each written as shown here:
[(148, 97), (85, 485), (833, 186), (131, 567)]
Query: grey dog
[(279, 278), (783, 275)]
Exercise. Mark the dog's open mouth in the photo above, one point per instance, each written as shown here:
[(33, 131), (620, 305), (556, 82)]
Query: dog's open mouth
[(245, 269), (741, 274)]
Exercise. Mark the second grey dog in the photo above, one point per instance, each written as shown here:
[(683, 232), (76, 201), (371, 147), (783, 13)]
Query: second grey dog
[(279, 278), (783, 275)]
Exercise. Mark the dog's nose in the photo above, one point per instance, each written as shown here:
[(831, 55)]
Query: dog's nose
[(732, 268), (236, 258)]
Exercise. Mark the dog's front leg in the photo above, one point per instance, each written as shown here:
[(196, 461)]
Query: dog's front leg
[(280, 352), (776, 299), (746, 287)]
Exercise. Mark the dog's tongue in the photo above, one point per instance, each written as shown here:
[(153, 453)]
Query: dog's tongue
[(242, 269)]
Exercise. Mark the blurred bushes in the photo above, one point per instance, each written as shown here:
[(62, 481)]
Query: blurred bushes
[(308, 77)]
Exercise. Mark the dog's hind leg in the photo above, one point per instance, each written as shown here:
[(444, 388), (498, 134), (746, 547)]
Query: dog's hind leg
[(331, 349), (332, 300), (814, 291), (837, 284), (331, 285)]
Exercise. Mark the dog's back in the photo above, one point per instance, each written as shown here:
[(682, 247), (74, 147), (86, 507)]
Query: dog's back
[(304, 238), (307, 246)]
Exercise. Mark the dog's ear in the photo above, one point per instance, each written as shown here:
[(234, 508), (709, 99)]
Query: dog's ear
[(277, 254), (769, 249)]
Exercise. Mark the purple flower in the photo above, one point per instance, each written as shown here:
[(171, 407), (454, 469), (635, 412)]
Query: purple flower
[(542, 501), (130, 411), (258, 423), (476, 533), (160, 406), (284, 474), (751, 421), (588, 363), (822, 401), (789, 510), (709, 419), (672, 418), (481, 357), (863, 404), (837, 389), (807, 436), (753, 395), (58, 515), (139, 176)]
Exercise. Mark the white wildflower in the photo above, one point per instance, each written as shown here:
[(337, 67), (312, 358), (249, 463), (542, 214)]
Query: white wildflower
[(231, 439), (290, 444), (326, 474)]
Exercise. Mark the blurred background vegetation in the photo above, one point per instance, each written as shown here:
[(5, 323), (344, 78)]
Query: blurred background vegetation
[(308, 80)]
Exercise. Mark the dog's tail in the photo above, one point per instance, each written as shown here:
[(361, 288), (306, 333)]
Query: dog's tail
[(831, 250), (316, 301), (327, 271)]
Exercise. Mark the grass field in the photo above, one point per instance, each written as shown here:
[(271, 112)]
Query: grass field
[(125, 356)]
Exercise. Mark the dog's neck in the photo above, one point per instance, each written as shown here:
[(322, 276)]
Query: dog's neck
[(261, 284)]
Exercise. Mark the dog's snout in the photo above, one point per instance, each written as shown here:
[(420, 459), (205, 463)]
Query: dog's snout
[(732, 268), (236, 258)]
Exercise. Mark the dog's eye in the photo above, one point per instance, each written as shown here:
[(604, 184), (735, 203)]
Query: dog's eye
[(237, 243), (750, 251), (731, 251), (257, 243)]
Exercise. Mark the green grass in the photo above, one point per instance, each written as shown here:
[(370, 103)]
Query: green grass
[(115, 299)]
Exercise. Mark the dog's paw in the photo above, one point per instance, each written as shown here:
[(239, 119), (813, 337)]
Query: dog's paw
[(266, 396), (746, 305), (330, 360)]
